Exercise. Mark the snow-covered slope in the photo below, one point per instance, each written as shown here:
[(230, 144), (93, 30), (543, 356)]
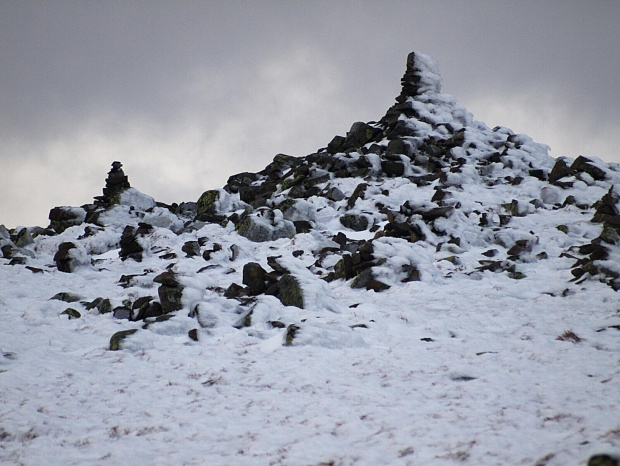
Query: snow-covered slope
[(424, 290)]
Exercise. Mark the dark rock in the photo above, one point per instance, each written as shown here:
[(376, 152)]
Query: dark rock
[(8, 251), (344, 268), (354, 222), (399, 146), (62, 218), (170, 292), (237, 181), (560, 170), (393, 167), (520, 247), (235, 291), (359, 134), (193, 334), (335, 145), (302, 226), (130, 247), (18, 260), (64, 260), (290, 292), (583, 164), (291, 331), (116, 183), (34, 269), (206, 206), (67, 297), (72, 313), (118, 337), (254, 276), (358, 193), (191, 248), (603, 460)]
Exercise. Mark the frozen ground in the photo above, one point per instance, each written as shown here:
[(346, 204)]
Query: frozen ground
[(446, 371)]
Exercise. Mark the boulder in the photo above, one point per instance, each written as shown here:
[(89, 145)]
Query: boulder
[(118, 337), (63, 258), (254, 276), (170, 292), (264, 226), (290, 292), (354, 222), (206, 207)]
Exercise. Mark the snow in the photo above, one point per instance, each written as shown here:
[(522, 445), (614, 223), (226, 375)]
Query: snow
[(466, 365)]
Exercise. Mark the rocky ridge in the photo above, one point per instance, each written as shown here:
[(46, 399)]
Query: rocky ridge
[(423, 194)]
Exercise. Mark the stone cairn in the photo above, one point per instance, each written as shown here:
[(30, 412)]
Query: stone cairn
[(115, 183)]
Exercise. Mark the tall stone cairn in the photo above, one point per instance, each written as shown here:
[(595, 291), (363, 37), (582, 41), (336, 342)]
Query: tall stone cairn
[(115, 183)]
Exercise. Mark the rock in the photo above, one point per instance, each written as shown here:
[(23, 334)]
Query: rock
[(144, 308), (560, 170), (193, 334), (265, 226), (290, 292), (64, 260), (291, 331), (399, 146), (62, 218), (358, 193), (334, 194), (118, 337), (23, 238), (8, 251), (354, 222), (206, 207), (344, 268), (130, 247), (116, 183), (122, 312), (67, 297), (71, 313), (585, 165), (335, 145), (170, 292), (235, 291), (603, 460), (393, 167), (302, 226), (254, 276), (359, 134), (413, 274), (191, 248)]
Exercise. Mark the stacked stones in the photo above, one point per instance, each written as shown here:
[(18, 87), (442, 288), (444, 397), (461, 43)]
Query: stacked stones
[(115, 183)]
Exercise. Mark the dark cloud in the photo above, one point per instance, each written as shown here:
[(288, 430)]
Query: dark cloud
[(187, 93)]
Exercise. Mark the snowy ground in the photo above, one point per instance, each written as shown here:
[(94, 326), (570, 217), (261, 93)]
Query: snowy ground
[(520, 366), (447, 371)]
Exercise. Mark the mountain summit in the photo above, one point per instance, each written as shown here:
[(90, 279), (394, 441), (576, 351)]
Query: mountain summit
[(422, 289)]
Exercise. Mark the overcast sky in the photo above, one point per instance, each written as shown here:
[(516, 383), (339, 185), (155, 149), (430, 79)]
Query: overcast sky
[(185, 94)]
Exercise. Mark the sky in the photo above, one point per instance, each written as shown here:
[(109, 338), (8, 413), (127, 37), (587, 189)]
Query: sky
[(187, 93)]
